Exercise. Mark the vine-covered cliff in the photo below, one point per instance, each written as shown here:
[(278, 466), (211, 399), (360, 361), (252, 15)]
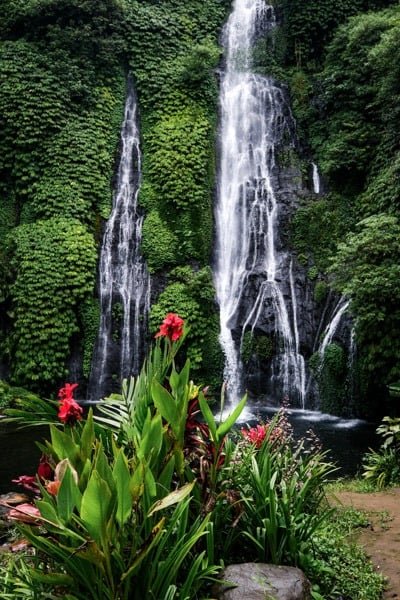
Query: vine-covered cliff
[(63, 67)]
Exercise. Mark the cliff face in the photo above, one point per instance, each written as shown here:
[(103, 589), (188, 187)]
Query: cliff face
[(61, 103)]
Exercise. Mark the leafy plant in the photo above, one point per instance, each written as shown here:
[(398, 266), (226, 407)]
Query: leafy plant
[(337, 566)]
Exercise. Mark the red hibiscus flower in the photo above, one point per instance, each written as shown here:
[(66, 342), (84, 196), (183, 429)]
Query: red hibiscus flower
[(172, 327), (69, 411)]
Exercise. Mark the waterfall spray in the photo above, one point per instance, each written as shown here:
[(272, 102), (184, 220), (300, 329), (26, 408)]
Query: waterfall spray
[(254, 122), (123, 277)]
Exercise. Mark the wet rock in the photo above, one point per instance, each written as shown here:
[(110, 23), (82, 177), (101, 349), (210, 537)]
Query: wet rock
[(253, 581)]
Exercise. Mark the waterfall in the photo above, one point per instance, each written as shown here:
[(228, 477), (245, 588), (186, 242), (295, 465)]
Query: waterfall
[(334, 323), (316, 179), (255, 119), (124, 284)]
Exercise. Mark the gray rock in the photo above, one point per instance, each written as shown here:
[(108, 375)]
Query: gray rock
[(255, 581)]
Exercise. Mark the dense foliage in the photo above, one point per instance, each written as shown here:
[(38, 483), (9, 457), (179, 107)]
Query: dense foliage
[(146, 499), (61, 96), (347, 106), (63, 64)]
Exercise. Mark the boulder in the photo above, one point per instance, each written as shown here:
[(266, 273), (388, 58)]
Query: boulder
[(254, 581)]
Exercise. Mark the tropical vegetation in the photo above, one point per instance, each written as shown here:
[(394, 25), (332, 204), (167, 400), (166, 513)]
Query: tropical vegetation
[(153, 494)]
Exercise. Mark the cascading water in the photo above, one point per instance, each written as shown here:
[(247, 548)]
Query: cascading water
[(316, 179), (123, 277), (334, 323), (254, 120)]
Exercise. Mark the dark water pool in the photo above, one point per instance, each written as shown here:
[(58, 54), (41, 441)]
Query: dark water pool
[(346, 441), (19, 454)]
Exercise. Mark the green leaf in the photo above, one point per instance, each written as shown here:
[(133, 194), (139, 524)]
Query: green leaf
[(87, 437), (49, 513), (145, 549), (103, 468), (95, 508), (165, 403), (209, 417), (63, 445), (165, 478), (152, 438), (121, 476), (227, 425), (53, 579), (136, 484), (68, 497), (172, 498)]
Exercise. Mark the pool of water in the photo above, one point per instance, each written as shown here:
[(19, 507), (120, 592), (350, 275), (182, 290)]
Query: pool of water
[(19, 454), (345, 440)]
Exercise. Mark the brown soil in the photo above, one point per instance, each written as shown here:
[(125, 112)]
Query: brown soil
[(381, 539)]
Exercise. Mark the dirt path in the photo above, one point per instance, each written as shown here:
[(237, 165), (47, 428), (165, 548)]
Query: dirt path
[(382, 539)]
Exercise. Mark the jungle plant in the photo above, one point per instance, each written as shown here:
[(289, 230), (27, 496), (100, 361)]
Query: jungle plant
[(280, 483), (99, 512), (382, 467)]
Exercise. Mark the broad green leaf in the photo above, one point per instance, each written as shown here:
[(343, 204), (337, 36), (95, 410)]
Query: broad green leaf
[(152, 438), (172, 498), (53, 579), (103, 468), (136, 484), (121, 476), (165, 403), (95, 508), (208, 416), (68, 496), (227, 425), (150, 483), (87, 437), (63, 445), (49, 513)]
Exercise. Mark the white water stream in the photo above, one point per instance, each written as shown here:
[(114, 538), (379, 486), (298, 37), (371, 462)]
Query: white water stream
[(316, 179), (123, 277), (253, 123)]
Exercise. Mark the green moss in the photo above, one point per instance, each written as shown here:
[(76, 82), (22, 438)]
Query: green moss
[(262, 347), (159, 244), (321, 291), (331, 374), (191, 295), (54, 263), (10, 394), (89, 314)]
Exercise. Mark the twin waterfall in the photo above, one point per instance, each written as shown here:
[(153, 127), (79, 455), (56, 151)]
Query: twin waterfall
[(254, 121), (124, 284), (262, 291)]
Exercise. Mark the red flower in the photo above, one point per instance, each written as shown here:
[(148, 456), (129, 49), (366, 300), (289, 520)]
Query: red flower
[(28, 482), (172, 327), (67, 392), (255, 435), (69, 411)]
